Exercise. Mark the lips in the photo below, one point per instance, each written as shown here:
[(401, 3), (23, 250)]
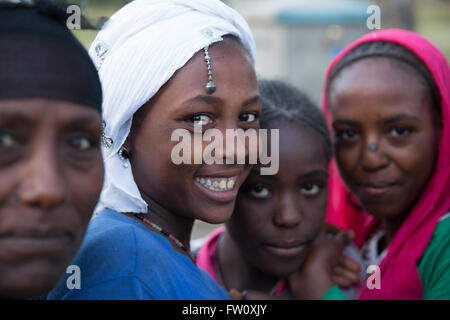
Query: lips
[(219, 184), (377, 189), (35, 243), (218, 189), (285, 248)]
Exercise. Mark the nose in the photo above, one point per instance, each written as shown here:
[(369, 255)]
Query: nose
[(237, 144), (288, 214), (373, 159), (42, 184)]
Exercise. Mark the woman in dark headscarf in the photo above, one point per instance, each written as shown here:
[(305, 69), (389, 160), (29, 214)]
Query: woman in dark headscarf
[(51, 168)]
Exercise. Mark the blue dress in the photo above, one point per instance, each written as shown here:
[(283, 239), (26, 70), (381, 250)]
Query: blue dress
[(121, 259)]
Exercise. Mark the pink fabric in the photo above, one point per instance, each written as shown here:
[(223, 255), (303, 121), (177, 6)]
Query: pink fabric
[(399, 274), (207, 255)]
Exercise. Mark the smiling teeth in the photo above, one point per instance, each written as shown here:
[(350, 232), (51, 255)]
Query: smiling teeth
[(217, 184)]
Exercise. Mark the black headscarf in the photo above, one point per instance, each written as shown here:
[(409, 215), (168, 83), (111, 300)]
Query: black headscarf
[(40, 58)]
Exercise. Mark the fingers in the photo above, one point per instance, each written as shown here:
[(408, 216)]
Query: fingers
[(250, 295), (343, 282), (352, 277), (343, 238), (350, 264), (329, 228), (346, 273), (235, 294)]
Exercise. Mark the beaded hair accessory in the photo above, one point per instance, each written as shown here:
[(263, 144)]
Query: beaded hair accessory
[(210, 86), (213, 36)]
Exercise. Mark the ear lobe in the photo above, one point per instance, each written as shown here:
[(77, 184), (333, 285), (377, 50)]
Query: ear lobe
[(127, 144)]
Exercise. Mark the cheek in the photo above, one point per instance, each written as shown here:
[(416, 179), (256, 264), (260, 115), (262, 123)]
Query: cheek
[(314, 211), (416, 160), (9, 181), (347, 157), (85, 187), (250, 219)]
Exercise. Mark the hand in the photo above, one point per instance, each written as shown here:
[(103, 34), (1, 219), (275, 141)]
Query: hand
[(315, 277), (346, 273), (250, 295)]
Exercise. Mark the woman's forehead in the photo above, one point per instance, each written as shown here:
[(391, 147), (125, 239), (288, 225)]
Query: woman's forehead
[(38, 109), (189, 82)]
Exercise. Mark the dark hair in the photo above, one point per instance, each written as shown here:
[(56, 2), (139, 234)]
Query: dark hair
[(42, 58), (284, 102), (394, 51), (57, 10)]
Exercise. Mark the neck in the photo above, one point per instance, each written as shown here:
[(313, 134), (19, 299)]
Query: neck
[(178, 226), (391, 226), (236, 271)]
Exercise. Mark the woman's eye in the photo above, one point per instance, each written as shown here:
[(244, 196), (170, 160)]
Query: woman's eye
[(400, 131), (310, 189), (81, 143), (6, 140), (346, 134), (201, 119), (248, 117), (260, 191)]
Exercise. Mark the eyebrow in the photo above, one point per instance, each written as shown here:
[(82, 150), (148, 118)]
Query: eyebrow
[(316, 174), (204, 99), (253, 100), (347, 122), (393, 119), (257, 173), (211, 100), (15, 117), (82, 122), (319, 173), (399, 117)]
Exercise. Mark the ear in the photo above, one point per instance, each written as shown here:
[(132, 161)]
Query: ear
[(128, 144)]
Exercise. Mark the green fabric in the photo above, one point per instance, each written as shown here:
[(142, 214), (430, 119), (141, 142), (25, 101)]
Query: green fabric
[(334, 294), (434, 267)]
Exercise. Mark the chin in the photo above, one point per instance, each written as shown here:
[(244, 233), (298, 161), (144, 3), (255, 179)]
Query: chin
[(282, 268), (216, 216), (211, 212), (28, 287), (381, 210)]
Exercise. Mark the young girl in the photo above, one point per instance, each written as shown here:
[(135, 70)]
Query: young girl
[(277, 217), (165, 65), (387, 99)]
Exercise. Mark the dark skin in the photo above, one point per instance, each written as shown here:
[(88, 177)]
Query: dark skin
[(51, 170), (393, 109), (174, 198), (277, 217)]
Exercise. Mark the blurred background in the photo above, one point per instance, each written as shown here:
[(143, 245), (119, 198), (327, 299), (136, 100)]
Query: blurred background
[(297, 39)]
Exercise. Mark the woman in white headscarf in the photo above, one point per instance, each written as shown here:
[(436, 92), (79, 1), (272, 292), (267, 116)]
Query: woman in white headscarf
[(164, 65)]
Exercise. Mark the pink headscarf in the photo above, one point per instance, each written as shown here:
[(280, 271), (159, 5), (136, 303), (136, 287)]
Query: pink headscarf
[(399, 274)]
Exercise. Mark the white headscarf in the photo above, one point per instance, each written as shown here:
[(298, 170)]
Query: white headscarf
[(137, 52)]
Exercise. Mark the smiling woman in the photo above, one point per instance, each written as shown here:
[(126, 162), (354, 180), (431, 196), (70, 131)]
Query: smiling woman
[(51, 167), (277, 217), (387, 100), (157, 61)]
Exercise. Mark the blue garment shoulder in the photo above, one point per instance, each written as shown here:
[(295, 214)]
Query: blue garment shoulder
[(121, 259)]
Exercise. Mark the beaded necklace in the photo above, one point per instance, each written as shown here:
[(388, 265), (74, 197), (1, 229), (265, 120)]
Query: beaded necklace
[(164, 232)]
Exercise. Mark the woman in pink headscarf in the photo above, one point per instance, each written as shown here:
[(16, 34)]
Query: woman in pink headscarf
[(387, 100)]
